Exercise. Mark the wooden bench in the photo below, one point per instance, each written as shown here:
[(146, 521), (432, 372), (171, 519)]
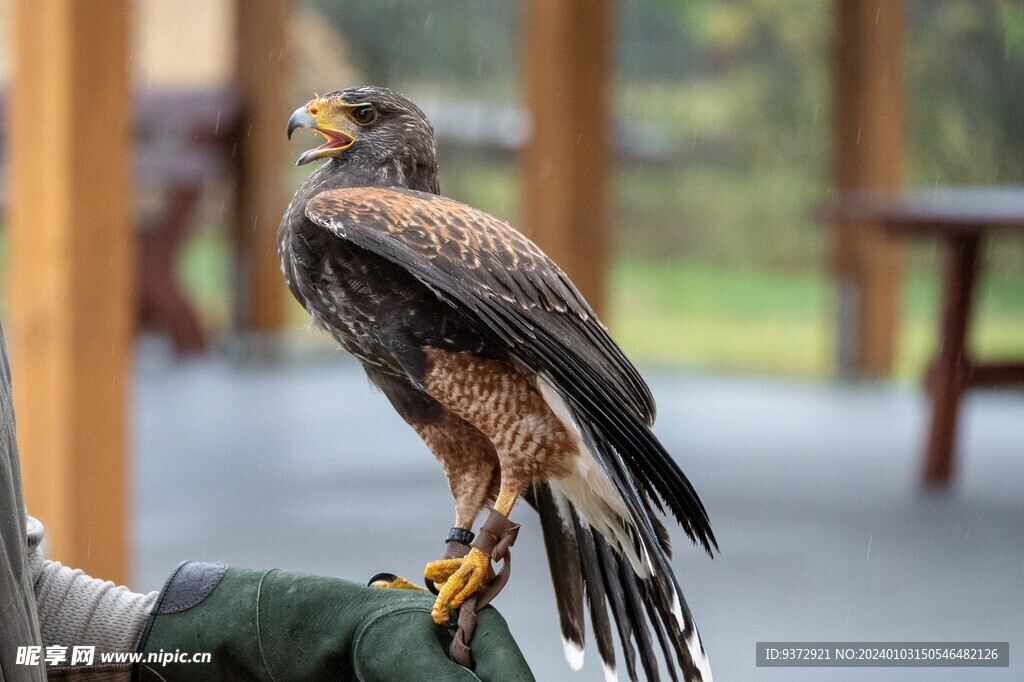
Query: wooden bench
[(184, 139), (961, 219)]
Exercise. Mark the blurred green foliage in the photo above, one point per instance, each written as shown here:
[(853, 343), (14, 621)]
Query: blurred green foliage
[(460, 45), (967, 92)]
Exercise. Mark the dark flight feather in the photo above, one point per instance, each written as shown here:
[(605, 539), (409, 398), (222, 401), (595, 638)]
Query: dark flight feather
[(564, 557), (596, 596)]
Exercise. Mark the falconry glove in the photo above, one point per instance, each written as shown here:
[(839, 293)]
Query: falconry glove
[(275, 625)]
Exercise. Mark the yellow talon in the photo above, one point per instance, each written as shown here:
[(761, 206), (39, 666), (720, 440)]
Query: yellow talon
[(397, 583), (468, 577)]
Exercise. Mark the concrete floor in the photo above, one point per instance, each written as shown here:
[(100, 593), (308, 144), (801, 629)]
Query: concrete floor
[(812, 489)]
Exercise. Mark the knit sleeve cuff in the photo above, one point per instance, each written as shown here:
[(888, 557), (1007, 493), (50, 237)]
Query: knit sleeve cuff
[(75, 609)]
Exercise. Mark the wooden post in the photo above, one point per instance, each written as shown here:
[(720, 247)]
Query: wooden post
[(868, 154), (71, 307), (567, 72), (261, 78)]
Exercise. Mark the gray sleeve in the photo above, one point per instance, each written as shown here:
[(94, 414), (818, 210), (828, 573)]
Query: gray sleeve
[(18, 623), (75, 609)]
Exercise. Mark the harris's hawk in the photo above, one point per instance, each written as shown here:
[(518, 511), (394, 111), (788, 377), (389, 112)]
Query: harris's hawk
[(486, 348)]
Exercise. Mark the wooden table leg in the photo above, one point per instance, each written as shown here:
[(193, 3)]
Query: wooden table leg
[(948, 373), (162, 301)]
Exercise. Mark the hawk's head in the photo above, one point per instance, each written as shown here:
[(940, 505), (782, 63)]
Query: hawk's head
[(369, 128)]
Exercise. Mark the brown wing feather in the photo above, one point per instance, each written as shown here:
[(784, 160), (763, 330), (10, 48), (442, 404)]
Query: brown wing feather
[(493, 260)]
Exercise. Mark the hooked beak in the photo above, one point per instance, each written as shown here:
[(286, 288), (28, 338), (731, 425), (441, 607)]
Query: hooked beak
[(337, 140), (300, 119)]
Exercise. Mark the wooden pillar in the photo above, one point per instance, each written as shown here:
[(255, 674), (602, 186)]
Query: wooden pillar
[(868, 154), (71, 266), (261, 68), (567, 74)]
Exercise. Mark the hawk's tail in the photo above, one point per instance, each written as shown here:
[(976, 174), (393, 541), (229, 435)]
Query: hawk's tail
[(632, 581)]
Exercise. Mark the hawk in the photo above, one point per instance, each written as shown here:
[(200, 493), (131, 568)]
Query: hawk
[(487, 349)]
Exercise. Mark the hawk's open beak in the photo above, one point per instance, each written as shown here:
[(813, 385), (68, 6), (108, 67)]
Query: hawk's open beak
[(337, 140)]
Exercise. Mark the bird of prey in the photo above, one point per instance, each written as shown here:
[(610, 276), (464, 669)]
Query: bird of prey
[(487, 349)]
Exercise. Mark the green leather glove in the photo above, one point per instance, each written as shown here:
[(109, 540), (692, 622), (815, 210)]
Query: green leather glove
[(272, 625)]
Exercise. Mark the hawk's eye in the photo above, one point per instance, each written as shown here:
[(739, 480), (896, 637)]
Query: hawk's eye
[(364, 115)]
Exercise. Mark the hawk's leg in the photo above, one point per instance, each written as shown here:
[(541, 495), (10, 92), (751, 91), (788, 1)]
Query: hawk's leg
[(531, 443), (467, 457), (469, 462), (471, 465)]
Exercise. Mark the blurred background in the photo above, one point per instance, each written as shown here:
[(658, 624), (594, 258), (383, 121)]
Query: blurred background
[(698, 146)]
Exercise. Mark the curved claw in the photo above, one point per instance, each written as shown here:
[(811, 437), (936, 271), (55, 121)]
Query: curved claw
[(390, 581), (468, 576)]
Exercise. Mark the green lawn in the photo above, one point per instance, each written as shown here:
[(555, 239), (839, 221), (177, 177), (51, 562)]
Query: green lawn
[(769, 322), (701, 315)]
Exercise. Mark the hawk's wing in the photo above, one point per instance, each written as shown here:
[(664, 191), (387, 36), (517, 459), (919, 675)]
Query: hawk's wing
[(482, 263), (483, 266)]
